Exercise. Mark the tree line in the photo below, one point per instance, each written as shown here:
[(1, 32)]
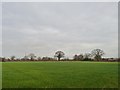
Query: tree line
[(95, 55)]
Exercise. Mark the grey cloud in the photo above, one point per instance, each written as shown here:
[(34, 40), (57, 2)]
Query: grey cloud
[(43, 28)]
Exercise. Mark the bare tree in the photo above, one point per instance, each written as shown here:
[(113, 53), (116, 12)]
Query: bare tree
[(25, 57), (75, 57), (32, 56), (59, 55), (87, 55), (12, 58), (97, 54), (39, 58), (78, 57)]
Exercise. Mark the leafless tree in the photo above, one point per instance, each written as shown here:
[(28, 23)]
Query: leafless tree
[(59, 55), (25, 57), (97, 54), (87, 55), (75, 57), (12, 58), (32, 56), (78, 57), (39, 58)]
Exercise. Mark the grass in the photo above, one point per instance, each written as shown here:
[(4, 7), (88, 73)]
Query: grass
[(60, 75), (0, 75)]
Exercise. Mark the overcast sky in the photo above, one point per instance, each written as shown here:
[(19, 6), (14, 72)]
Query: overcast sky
[(0, 29), (74, 28)]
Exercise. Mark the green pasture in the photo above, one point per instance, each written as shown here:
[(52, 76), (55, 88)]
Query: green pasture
[(66, 74)]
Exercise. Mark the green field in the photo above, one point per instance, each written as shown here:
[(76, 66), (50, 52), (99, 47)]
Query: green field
[(0, 75), (60, 74)]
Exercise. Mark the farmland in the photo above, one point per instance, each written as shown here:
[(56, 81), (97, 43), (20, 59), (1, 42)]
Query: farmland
[(66, 74)]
